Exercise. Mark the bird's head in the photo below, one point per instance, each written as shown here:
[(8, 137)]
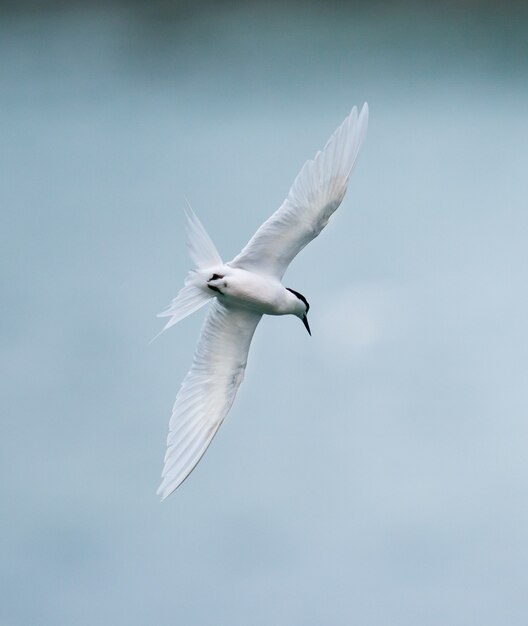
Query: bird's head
[(301, 309)]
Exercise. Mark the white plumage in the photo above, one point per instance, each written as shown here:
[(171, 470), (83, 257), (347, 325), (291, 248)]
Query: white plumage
[(245, 289)]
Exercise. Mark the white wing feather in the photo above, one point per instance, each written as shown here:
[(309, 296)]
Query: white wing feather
[(315, 194), (208, 390)]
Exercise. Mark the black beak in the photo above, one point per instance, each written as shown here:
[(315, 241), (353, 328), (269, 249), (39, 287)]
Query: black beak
[(306, 325)]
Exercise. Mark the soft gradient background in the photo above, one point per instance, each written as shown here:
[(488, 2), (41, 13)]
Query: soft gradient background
[(375, 474)]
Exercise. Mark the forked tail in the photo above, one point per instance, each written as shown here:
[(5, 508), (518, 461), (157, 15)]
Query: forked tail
[(204, 255), (201, 249)]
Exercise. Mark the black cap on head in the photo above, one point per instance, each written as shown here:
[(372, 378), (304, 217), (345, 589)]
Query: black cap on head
[(301, 298)]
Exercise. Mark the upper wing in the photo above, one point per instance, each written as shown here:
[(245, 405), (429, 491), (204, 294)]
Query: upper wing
[(315, 194), (208, 390)]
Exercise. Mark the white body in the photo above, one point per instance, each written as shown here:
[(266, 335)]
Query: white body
[(262, 294), (242, 291)]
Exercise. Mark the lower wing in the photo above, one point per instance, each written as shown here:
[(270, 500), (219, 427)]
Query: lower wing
[(208, 390)]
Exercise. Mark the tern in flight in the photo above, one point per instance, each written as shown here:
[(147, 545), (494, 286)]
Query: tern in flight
[(242, 291)]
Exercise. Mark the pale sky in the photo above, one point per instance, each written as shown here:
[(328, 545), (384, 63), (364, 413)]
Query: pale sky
[(373, 474)]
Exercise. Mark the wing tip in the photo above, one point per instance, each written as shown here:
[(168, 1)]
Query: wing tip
[(166, 488), (363, 119), (163, 493)]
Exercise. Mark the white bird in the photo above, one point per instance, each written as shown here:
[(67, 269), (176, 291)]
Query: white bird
[(242, 291)]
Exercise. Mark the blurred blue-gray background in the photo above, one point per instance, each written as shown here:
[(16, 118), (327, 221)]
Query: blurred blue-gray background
[(375, 474)]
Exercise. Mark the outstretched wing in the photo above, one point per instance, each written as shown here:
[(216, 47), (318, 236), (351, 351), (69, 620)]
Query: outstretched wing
[(315, 194), (208, 390)]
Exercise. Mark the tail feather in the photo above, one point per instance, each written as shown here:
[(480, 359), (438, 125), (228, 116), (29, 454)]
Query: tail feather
[(202, 250), (194, 294), (189, 299)]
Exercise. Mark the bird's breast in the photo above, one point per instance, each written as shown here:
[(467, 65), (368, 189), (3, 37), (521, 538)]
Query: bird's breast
[(253, 291)]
